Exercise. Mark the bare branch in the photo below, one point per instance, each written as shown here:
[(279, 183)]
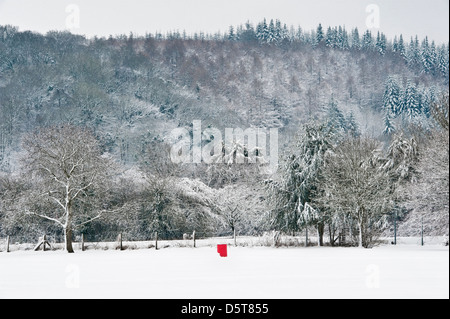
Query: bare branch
[(46, 217)]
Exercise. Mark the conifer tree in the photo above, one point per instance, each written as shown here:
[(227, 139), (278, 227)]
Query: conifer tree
[(392, 96), (411, 101), (367, 41), (329, 38), (319, 34), (356, 41), (414, 55), (292, 196), (401, 47), (389, 127), (443, 61)]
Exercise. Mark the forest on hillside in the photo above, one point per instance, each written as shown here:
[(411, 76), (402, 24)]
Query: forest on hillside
[(85, 129)]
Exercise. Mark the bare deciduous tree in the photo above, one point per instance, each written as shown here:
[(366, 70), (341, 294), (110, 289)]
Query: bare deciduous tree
[(358, 187), (66, 167)]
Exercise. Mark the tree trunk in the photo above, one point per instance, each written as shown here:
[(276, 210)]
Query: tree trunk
[(68, 228), (320, 232), (68, 239), (306, 237), (360, 239)]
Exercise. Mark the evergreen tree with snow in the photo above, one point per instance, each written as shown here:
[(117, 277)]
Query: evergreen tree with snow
[(428, 100), (433, 58), (231, 34), (356, 40), (395, 45), (389, 127), (352, 127), (428, 57), (401, 48), (319, 34), (381, 43), (279, 33), (414, 54), (411, 101), (367, 41), (248, 34), (335, 117), (271, 36), (344, 42), (300, 178), (330, 38), (443, 61), (392, 97), (299, 34), (339, 37), (262, 32)]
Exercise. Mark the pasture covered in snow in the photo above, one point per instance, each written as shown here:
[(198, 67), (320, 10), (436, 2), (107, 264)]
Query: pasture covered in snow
[(402, 271)]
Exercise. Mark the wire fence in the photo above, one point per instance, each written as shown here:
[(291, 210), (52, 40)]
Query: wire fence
[(270, 239)]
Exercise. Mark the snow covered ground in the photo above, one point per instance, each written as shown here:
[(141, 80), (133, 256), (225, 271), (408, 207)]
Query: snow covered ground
[(402, 271)]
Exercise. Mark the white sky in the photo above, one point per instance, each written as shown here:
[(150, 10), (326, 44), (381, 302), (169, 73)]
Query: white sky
[(105, 17)]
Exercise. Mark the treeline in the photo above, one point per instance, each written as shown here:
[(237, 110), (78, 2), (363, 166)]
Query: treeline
[(421, 55), (66, 185), (130, 92), (353, 187), (408, 102), (345, 185), (263, 76)]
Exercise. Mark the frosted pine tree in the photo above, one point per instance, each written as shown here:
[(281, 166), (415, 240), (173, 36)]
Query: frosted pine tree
[(414, 54), (352, 127), (335, 117), (299, 35), (392, 96), (271, 36), (319, 34), (367, 41), (389, 127), (433, 58), (356, 40), (340, 37), (428, 99), (401, 48), (329, 38), (425, 55), (443, 61), (411, 101), (262, 32), (231, 34), (279, 36), (344, 40), (293, 194), (395, 45), (381, 43)]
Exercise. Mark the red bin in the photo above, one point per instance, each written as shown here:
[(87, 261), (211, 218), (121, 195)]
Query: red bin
[(222, 250)]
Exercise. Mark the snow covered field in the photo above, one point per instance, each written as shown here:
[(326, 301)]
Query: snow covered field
[(403, 271)]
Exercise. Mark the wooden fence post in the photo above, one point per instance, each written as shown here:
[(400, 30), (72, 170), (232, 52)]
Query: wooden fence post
[(306, 239), (193, 237), (7, 244), (120, 241), (43, 242), (82, 242), (156, 240), (234, 237)]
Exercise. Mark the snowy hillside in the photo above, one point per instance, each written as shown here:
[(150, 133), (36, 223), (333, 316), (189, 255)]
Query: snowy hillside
[(89, 130)]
